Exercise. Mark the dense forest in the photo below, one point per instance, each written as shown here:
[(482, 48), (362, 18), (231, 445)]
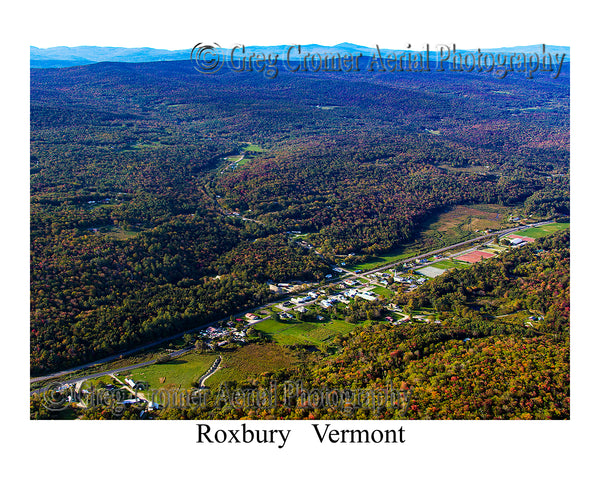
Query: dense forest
[(475, 364), (472, 365), (161, 198)]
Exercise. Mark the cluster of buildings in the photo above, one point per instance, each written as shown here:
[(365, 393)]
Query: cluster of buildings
[(217, 335), (344, 296)]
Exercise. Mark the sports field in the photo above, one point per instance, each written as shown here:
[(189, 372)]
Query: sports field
[(449, 263), (544, 230), (431, 272), (476, 256)]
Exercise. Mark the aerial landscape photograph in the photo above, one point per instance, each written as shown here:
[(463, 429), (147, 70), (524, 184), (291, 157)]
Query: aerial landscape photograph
[(299, 238), (233, 246)]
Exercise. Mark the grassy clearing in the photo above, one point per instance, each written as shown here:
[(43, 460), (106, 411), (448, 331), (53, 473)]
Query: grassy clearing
[(466, 219), (471, 169), (450, 263), (303, 333), (141, 146), (544, 230), (252, 147), (179, 372), (455, 225), (251, 360), (383, 291), (375, 262), (119, 233), (95, 382), (494, 248)]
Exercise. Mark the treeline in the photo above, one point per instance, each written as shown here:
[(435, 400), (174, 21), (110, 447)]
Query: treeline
[(469, 366), (128, 205), (534, 277), (352, 203)]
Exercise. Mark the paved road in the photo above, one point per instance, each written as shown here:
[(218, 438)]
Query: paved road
[(112, 372), (348, 274), (212, 370), (445, 249)]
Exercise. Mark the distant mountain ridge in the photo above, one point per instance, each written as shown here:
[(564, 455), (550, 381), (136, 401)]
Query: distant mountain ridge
[(57, 57)]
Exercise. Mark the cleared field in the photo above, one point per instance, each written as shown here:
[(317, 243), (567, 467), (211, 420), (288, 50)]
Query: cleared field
[(470, 218), (179, 372), (544, 230), (382, 291), (119, 233), (251, 360), (472, 169), (494, 248), (450, 263), (95, 382), (273, 326), (375, 262), (252, 147), (303, 333), (455, 225)]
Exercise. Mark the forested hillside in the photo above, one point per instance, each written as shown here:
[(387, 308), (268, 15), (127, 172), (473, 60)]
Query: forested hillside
[(475, 364), (161, 198)]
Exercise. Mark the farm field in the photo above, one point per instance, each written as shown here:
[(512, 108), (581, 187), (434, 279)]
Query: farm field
[(544, 230), (179, 372), (119, 233), (471, 169), (251, 360), (306, 333), (253, 148), (375, 262), (461, 221), (455, 225)]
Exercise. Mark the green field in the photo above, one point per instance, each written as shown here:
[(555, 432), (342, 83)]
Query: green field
[(95, 382), (119, 233), (251, 360), (457, 224), (383, 291), (304, 333), (544, 230), (450, 263), (179, 372), (493, 248), (375, 262), (253, 148)]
